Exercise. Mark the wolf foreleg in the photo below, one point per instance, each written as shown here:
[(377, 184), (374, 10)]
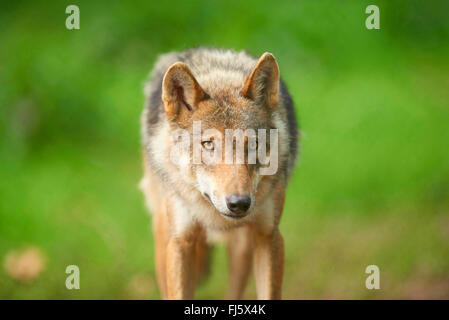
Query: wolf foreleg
[(269, 264), (180, 268)]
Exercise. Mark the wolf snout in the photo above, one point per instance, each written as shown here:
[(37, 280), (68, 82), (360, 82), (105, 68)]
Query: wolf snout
[(238, 204)]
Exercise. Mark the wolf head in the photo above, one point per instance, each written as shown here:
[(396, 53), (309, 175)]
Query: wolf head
[(221, 122)]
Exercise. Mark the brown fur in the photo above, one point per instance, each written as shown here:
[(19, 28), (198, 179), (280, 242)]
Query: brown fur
[(188, 200)]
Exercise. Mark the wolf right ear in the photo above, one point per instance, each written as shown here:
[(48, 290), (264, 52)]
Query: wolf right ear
[(180, 91), (262, 85)]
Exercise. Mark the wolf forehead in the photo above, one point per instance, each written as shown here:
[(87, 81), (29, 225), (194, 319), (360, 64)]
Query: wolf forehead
[(222, 114)]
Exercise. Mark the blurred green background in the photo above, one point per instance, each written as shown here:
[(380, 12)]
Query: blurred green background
[(371, 186)]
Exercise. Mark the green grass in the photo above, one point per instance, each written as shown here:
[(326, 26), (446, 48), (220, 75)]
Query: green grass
[(371, 186)]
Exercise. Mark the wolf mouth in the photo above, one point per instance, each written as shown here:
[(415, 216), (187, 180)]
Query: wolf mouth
[(235, 217), (206, 195)]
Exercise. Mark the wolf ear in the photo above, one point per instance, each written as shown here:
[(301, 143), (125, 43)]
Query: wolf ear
[(262, 85), (180, 91)]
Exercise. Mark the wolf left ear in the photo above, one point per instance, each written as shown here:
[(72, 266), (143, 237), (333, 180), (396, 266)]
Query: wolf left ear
[(262, 85), (180, 91)]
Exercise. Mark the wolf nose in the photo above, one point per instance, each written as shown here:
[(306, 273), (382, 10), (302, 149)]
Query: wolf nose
[(238, 203)]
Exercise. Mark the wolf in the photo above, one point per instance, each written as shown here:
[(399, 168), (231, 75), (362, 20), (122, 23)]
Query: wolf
[(194, 205)]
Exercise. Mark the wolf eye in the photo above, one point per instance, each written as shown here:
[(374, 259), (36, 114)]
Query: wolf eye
[(208, 145), (252, 145)]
